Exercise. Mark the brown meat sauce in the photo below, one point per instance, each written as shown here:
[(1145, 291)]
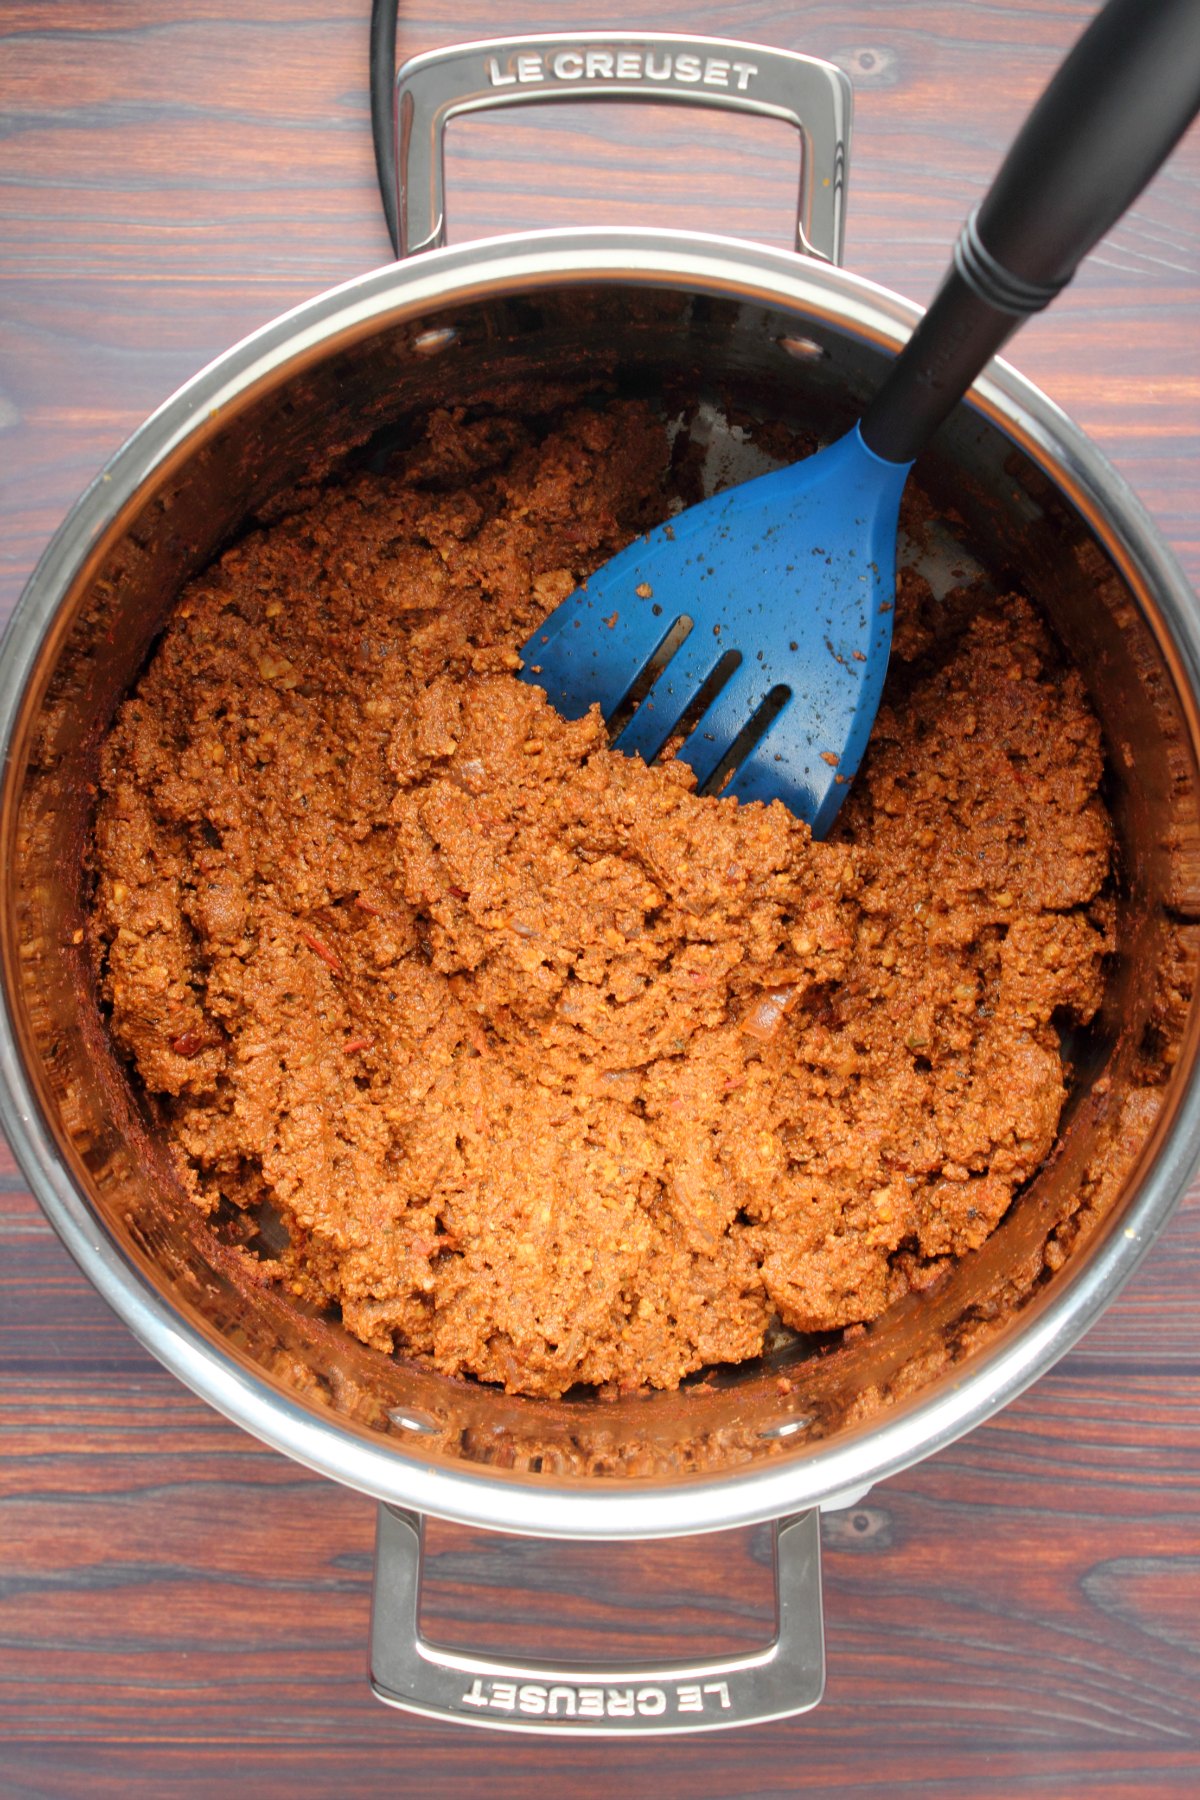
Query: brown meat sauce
[(552, 1071)]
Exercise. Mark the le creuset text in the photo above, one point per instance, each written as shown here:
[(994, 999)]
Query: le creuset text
[(569, 1702), (620, 65)]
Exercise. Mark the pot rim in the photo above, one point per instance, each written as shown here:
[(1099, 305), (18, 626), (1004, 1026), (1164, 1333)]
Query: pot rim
[(508, 1500)]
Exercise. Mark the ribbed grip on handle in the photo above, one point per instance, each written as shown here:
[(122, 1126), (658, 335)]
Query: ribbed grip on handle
[(1116, 108)]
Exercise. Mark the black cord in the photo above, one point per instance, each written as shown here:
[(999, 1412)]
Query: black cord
[(383, 110)]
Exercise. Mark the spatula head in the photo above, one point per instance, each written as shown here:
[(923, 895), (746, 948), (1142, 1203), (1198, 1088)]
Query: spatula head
[(782, 592)]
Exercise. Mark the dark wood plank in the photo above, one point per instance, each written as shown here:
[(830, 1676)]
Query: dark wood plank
[(183, 1611)]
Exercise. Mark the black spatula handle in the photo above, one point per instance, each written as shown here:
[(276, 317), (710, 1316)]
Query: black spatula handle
[(1112, 114)]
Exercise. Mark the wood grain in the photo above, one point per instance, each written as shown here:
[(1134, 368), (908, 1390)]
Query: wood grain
[(183, 1611)]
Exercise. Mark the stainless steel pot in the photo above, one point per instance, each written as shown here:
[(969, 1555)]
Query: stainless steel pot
[(781, 335)]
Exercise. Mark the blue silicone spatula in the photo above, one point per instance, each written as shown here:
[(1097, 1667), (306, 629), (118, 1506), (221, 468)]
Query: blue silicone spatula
[(781, 590)]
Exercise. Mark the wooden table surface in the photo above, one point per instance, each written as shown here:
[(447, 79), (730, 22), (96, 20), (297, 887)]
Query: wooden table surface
[(183, 1611)]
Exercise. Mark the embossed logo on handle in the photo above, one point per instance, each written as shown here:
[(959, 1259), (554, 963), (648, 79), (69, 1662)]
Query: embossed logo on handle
[(529, 66), (563, 1700)]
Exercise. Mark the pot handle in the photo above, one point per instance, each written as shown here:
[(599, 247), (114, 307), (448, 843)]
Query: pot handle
[(813, 96), (601, 1699)]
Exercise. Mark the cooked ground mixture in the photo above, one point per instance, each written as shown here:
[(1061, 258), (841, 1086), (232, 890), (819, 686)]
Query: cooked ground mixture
[(537, 1064)]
